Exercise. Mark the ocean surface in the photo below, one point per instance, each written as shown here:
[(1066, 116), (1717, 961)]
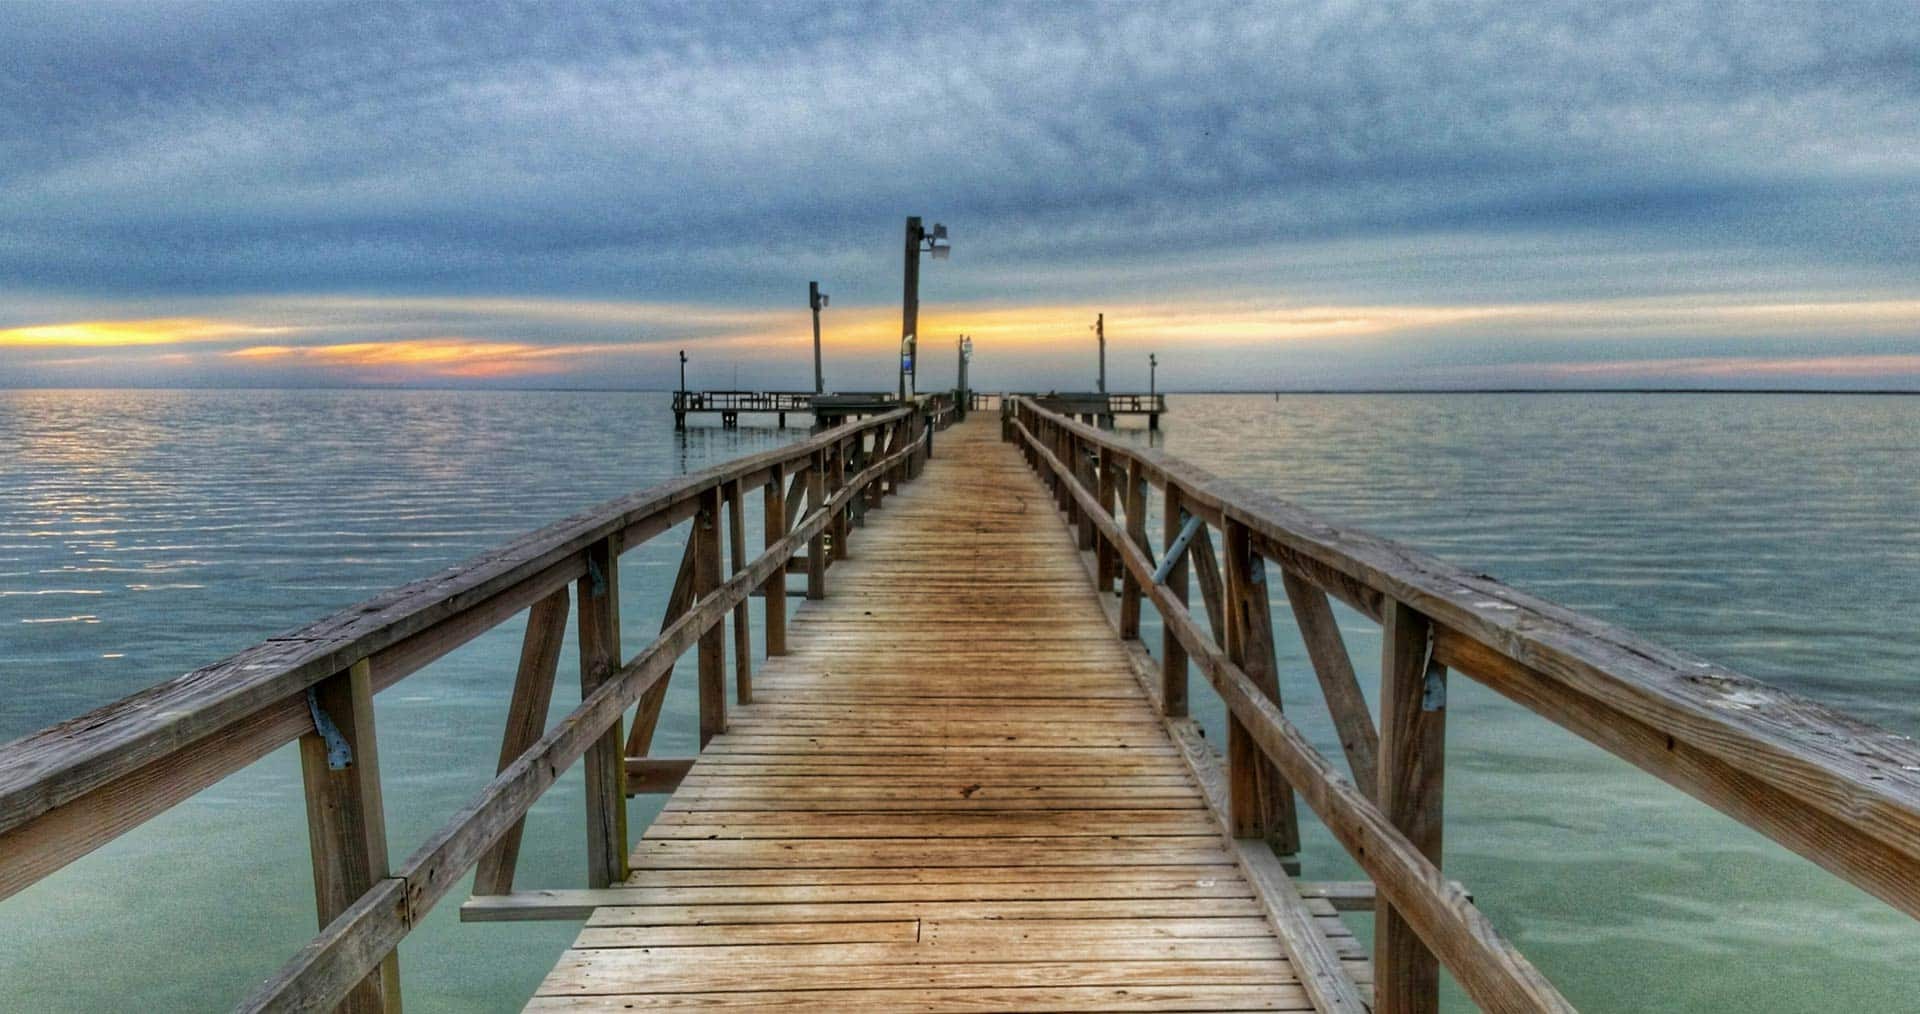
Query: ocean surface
[(143, 533)]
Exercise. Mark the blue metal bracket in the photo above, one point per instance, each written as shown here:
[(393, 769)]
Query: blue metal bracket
[(339, 754), (1433, 691), (1178, 550)]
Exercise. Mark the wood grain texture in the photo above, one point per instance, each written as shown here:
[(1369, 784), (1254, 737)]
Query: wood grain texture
[(954, 743)]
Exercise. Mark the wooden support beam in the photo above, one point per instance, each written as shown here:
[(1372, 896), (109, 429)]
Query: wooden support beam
[(1334, 668), (526, 720), (654, 775), (646, 715), (1206, 573), (1107, 558), (837, 481), (573, 905), (1135, 494), (742, 624), (774, 527), (346, 823), (796, 494), (713, 642), (1173, 655), (1412, 751), (1261, 801), (817, 546), (605, 760)]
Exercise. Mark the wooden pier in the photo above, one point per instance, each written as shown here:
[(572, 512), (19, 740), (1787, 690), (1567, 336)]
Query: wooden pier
[(959, 781)]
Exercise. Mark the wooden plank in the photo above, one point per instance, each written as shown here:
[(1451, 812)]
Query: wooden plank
[(1412, 752), (1130, 998), (346, 823), (713, 644), (774, 525), (646, 714), (1173, 655), (605, 766), (656, 774), (1259, 800), (526, 720), (1135, 494), (1333, 667), (742, 626), (817, 547)]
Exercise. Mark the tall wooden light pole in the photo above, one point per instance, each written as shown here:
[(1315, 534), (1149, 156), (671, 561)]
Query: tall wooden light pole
[(1100, 329), (817, 299), (933, 241)]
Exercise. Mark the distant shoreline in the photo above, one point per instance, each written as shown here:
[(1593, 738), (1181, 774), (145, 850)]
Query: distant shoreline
[(1288, 392)]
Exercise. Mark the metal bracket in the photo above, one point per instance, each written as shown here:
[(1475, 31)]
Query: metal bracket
[(595, 578), (1433, 690), (339, 753), (1177, 551)]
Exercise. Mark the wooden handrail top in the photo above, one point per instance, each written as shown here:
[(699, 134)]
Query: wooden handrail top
[(49, 768), (1850, 770)]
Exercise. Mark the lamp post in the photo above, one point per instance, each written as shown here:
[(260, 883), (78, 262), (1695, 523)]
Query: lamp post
[(1100, 330), (1153, 367), (680, 396), (818, 301), (932, 241), (966, 355)]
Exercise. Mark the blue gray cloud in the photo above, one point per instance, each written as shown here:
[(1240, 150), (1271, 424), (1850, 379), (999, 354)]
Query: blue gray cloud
[(1406, 153)]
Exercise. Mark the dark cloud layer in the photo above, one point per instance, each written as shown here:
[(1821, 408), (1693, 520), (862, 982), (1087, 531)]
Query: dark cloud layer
[(717, 152)]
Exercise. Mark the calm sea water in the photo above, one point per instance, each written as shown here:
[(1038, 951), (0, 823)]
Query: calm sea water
[(145, 533)]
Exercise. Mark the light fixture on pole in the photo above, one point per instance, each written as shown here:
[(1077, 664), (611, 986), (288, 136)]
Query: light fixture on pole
[(818, 301), (933, 241), (683, 373), (1153, 367)]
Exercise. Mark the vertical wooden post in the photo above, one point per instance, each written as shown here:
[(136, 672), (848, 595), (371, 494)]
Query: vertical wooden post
[(605, 761), (713, 642), (526, 722), (1260, 800), (1130, 591), (836, 481), (817, 545), (346, 822), (1173, 654), (1413, 698), (774, 526), (742, 624), (1083, 473), (1107, 558)]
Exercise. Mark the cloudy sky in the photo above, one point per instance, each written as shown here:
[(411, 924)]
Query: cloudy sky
[(1538, 193)]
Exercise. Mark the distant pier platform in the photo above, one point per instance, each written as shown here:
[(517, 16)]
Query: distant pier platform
[(1093, 407)]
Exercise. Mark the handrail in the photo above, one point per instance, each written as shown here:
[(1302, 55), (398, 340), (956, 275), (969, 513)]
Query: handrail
[(74, 786), (1837, 790), (353, 945)]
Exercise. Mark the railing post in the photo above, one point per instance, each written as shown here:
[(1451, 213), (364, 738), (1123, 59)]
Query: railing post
[(1130, 590), (742, 625), (817, 545), (526, 722), (1413, 712), (1173, 654), (1260, 799), (346, 823), (774, 526), (605, 762), (713, 642), (1107, 557), (1082, 464), (836, 481)]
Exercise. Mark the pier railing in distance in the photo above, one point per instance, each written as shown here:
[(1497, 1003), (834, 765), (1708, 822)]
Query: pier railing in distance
[(70, 788), (1837, 790)]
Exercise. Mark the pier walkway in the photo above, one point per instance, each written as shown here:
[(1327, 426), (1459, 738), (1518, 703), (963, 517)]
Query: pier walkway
[(957, 780), (952, 794)]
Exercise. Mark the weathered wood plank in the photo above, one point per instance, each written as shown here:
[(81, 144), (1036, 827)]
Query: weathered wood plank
[(605, 768), (526, 719), (1412, 753)]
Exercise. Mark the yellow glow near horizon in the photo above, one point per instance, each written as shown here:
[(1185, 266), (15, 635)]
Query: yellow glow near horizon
[(440, 357), (119, 333)]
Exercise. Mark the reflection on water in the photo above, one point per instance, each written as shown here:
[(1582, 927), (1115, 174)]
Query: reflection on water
[(145, 533)]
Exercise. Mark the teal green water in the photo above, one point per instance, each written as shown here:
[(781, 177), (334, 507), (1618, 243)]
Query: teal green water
[(145, 533)]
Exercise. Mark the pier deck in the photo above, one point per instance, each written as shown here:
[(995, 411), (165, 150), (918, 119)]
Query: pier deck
[(952, 794)]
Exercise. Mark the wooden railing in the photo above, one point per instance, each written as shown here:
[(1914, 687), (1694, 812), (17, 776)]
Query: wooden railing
[(742, 401), (1840, 792), (69, 789)]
